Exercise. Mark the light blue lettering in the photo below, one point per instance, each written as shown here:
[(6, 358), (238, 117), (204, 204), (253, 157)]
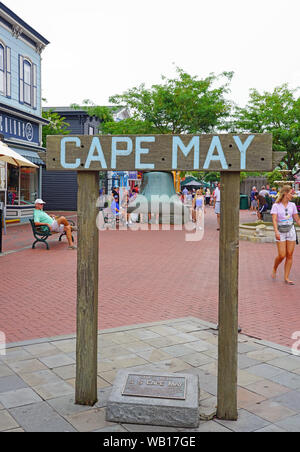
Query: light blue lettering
[(63, 152), (177, 143), (139, 151), (215, 144), (115, 152), (99, 157), (243, 148)]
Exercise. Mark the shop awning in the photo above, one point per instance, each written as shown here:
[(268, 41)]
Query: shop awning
[(29, 155)]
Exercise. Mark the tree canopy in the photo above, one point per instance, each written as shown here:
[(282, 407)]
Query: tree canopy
[(185, 104), (56, 126), (277, 112)]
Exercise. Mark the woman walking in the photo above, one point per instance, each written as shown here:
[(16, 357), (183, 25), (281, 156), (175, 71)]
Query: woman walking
[(284, 212), (198, 208)]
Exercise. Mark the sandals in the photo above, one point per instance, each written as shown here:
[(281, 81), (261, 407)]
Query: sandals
[(291, 283)]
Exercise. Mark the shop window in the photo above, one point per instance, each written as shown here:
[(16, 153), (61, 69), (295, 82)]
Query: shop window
[(29, 185), (22, 185), (12, 185)]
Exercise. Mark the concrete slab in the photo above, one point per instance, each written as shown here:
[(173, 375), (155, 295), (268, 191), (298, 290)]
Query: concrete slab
[(40, 417), (151, 410)]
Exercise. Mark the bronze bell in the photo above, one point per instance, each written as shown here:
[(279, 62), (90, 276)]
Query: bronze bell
[(158, 198)]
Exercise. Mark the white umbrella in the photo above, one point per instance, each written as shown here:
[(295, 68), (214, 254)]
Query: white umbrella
[(12, 157)]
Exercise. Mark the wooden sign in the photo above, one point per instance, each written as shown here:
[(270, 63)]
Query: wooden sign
[(225, 152)]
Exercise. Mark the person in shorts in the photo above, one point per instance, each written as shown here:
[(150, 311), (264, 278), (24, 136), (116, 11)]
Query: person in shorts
[(284, 213), (217, 204), (55, 224)]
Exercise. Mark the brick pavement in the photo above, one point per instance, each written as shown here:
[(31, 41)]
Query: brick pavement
[(144, 277)]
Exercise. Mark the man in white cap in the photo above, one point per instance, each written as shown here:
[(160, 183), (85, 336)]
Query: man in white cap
[(56, 224)]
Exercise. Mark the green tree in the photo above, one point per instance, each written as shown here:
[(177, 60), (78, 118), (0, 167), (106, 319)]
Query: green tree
[(277, 112), (56, 126), (185, 104)]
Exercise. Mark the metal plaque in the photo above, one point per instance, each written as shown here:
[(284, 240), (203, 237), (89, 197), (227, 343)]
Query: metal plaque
[(155, 386)]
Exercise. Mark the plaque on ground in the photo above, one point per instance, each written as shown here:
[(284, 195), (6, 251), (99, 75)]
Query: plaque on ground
[(154, 399), (156, 386)]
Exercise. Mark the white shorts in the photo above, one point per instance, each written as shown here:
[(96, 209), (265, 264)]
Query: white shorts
[(218, 207), (55, 227), (288, 236)]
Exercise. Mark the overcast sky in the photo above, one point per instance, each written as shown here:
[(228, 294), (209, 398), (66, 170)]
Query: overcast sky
[(100, 48)]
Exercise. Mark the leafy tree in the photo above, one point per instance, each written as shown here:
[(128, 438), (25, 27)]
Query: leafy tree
[(57, 125), (127, 126), (185, 104), (277, 112)]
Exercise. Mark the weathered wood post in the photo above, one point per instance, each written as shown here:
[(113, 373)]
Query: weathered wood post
[(87, 289), (228, 296)]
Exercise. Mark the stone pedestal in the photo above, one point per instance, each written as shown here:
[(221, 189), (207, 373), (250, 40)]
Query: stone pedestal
[(154, 399)]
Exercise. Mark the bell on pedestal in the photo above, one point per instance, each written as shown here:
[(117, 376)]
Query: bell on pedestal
[(158, 198)]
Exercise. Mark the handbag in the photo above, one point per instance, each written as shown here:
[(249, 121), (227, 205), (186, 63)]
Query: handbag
[(285, 227)]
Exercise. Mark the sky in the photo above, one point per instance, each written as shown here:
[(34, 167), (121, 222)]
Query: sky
[(104, 47)]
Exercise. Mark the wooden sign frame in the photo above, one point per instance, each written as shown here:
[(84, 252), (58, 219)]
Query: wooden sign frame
[(227, 153), (224, 152)]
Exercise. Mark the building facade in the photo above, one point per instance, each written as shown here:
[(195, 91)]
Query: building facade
[(20, 111), (60, 187)]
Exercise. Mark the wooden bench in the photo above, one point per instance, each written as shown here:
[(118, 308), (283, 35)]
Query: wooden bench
[(42, 233)]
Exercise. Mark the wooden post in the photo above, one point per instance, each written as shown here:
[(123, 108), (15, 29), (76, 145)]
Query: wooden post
[(87, 289), (228, 296)]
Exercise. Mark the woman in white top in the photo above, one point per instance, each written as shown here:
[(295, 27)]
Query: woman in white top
[(284, 212), (199, 208)]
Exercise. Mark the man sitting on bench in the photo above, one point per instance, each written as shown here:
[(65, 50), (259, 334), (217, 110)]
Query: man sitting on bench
[(55, 224)]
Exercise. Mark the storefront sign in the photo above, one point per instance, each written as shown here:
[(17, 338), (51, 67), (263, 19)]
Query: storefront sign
[(226, 152), (15, 128)]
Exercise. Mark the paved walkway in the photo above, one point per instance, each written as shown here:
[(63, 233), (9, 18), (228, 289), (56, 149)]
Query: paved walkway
[(37, 379), (145, 276)]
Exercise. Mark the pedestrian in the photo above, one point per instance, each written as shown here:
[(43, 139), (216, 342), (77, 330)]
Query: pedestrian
[(253, 200), (284, 212), (264, 192), (198, 207), (217, 203), (262, 205), (207, 197)]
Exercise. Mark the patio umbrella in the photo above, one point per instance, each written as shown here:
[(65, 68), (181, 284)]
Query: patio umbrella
[(192, 184), (12, 157)]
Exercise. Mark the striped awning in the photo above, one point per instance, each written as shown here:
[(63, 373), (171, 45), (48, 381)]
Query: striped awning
[(30, 155)]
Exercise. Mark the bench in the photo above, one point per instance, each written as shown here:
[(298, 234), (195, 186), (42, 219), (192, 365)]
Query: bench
[(42, 233)]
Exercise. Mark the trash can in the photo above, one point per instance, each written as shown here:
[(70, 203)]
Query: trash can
[(244, 202)]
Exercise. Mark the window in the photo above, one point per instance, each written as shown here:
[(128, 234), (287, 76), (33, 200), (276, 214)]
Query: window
[(27, 82), (2, 72), (5, 73), (29, 185), (91, 130), (22, 185)]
